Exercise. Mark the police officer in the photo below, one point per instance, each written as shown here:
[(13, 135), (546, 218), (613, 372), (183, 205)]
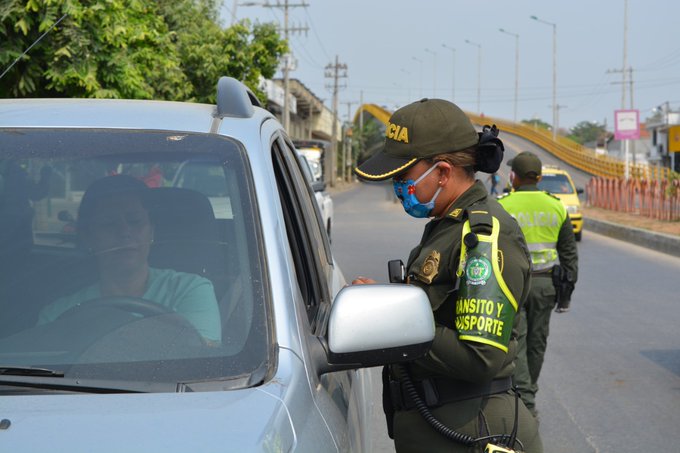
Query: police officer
[(473, 264), (554, 259)]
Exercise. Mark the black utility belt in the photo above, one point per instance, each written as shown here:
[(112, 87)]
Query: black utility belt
[(547, 273), (437, 392)]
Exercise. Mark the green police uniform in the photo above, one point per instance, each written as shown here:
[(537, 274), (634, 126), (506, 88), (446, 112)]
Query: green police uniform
[(458, 361), (474, 266), (550, 238)]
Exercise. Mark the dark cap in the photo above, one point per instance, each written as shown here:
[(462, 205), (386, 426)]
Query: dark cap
[(420, 130), (526, 163)]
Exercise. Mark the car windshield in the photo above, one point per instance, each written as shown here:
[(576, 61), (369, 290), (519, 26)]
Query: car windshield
[(558, 184), (130, 256)]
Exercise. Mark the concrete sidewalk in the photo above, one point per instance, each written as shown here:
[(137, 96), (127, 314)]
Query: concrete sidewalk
[(660, 242)]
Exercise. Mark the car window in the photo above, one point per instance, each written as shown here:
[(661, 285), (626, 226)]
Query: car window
[(308, 244), (556, 183), (130, 255)]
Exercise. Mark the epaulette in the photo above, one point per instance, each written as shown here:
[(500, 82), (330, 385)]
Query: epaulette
[(551, 194), (481, 221)]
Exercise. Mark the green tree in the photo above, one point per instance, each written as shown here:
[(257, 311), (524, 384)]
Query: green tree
[(587, 131), (165, 49), (535, 122), (207, 51)]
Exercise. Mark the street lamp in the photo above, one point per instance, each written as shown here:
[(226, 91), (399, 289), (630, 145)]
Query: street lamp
[(409, 84), (236, 4), (453, 72), (421, 74), (516, 67), (434, 72), (479, 71), (554, 93)]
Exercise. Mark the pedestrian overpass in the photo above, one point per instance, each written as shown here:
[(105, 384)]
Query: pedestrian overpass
[(374, 118)]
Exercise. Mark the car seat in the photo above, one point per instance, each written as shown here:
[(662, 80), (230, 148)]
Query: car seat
[(185, 234)]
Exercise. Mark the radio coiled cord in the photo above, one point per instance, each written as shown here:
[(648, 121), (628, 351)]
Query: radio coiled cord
[(444, 430)]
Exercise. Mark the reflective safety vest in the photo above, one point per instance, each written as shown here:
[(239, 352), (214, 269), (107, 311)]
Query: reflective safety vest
[(540, 216)]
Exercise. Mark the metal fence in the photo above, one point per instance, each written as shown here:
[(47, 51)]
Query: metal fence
[(656, 199)]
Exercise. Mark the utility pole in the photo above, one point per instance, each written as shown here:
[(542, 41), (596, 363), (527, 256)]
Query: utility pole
[(626, 78), (288, 59), (347, 140), (336, 72)]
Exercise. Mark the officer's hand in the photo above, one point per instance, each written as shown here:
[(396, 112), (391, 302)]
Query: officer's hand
[(561, 310), (363, 281)]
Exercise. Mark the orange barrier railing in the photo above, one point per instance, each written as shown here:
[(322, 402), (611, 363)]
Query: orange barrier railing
[(656, 199), (574, 154)]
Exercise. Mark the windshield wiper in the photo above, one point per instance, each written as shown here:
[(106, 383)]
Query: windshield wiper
[(29, 371)]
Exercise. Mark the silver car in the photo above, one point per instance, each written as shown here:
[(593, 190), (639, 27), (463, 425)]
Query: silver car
[(166, 284)]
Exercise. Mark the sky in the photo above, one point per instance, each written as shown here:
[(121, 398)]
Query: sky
[(398, 51)]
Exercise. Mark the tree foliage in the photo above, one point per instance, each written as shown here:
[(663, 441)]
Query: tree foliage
[(587, 131), (144, 49), (535, 122)]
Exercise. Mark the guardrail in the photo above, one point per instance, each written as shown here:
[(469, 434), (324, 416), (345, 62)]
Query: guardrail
[(657, 199), (574, 154)]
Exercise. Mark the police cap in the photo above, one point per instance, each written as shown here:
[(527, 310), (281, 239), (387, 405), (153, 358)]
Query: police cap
[(417, 131), (526, 165)]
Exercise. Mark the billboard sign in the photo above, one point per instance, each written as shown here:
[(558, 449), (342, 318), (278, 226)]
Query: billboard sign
[(674, 139), (627, 124)]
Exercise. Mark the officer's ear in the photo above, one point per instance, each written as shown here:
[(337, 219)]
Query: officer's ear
[(445, 171)]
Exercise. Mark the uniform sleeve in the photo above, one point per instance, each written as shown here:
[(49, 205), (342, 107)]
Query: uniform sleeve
[(566, 248)]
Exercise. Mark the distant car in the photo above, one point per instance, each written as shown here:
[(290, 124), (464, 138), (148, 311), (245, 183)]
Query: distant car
[(323, 198), (227, 202), (559, 183), (315, 152)]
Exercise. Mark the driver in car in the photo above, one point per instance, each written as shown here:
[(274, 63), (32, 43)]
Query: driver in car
[(115, 227)]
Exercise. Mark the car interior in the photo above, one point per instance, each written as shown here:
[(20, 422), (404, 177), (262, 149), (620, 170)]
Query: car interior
[(187, 238)]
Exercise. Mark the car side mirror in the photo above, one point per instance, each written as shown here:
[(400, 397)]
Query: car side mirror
[(318, 186), (373, 325), (65, 216), (579, 190)]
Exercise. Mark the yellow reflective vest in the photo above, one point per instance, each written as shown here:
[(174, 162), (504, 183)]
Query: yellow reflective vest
[(540, 216)]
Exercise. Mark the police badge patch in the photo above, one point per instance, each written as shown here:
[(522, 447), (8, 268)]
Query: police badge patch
[(478, 270), (430, 267)]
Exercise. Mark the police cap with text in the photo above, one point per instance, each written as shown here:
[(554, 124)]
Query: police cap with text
[(417, 131)]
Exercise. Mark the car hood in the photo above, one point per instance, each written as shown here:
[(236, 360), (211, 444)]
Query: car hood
[(243, 420)]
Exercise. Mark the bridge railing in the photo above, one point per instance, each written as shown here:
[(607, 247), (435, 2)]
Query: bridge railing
[(656, 199), (574, 154)]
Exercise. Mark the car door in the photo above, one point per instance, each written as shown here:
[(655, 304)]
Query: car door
[(336, 395)]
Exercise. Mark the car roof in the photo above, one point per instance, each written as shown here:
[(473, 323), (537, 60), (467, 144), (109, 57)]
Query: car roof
[(238, 116)]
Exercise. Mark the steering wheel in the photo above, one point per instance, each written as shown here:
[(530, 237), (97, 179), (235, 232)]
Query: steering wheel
[(129, 304)]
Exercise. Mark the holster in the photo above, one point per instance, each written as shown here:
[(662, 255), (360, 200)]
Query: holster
[(563, 281)]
